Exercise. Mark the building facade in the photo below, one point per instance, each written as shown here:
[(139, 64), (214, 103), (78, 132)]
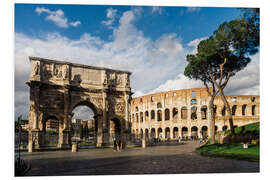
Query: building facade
[(185, 113)]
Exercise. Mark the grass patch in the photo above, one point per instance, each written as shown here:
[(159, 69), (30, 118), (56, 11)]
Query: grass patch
[(235, 151), (228, 150), (253, 128), (85, 143)]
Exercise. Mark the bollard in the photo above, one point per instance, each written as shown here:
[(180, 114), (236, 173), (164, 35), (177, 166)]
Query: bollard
[(74, 147), (30, 147), (143, 143)]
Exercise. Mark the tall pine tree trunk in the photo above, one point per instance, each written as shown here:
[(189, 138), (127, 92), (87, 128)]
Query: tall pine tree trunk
[(228, 109), (212, 119)]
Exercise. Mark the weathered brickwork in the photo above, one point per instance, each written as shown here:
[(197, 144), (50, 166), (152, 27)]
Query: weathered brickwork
[(185, 113)]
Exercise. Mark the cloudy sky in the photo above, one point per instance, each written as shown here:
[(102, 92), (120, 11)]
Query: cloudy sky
[(151, 42)]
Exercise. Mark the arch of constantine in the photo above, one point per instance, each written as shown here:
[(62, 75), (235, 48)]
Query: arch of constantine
[(184, 113), (58, 87)]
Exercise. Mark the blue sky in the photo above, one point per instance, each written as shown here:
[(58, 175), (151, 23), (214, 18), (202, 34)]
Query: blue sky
[(149, 41), (186, 22)]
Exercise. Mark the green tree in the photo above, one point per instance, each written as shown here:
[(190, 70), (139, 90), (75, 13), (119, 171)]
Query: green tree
[(86, 131), (200, 67), (80, 131), (221, 56)]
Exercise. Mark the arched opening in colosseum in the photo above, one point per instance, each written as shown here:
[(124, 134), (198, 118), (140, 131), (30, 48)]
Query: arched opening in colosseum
[(175, 114), (193, 114), (234, 108), (216, 129), (244, 109), (253, 110), (153, 133), (167, 114), (160, 133), (137, 109), (184, 132), (141, 116), (146, 133), (223, 111), (152, 115), (215, 109), (141, 133), (146, 116), (115, 128), (133, 120), (193, 101), (137, 133), (159, 105), (175, 132), (137, 117), (194, 132), (204, 131), (224, 128), (184, 113), (235, 126), (159, 115), (50, 130), (167, 133), (204, 112)]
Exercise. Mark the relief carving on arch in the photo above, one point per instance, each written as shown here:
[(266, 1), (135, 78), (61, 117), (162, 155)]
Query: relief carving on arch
[(97, 102), (112, 79), (66, 72), (120, 107), (52, 102), (119, 80), (57, 71), (47, 70), (116, 105)]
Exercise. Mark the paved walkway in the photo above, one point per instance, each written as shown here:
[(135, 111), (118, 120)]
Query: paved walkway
[(174, 159)]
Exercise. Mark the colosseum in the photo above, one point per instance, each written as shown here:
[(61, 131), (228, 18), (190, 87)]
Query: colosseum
[(185, 114)]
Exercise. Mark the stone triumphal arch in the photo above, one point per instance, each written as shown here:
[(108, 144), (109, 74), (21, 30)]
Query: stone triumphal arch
[(57, 87)]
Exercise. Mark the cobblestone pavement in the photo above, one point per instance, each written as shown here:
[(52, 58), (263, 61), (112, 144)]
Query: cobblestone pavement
[(175, 159)]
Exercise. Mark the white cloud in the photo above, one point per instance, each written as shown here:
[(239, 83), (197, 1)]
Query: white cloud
[(180, 82), (111, 15), (157, 9), (75, 24), (57, 17), (245, 82), (168, 46), (193, 9), (194, 43), (138, 94)]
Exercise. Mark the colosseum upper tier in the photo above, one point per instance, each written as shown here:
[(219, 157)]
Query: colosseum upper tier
[(185, 113)]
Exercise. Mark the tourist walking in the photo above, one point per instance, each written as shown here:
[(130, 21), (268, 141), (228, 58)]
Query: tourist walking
[(114, 144)]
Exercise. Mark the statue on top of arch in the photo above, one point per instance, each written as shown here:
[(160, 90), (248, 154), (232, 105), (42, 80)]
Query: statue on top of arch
[(36, 69)]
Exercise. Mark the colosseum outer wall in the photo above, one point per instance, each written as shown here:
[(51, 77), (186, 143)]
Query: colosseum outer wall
[(185, 113)]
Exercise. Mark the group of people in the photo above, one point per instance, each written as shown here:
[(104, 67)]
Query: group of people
[(116, 144)]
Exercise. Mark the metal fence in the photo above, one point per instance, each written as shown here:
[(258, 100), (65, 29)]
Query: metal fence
[(51, 139), (24, 140)]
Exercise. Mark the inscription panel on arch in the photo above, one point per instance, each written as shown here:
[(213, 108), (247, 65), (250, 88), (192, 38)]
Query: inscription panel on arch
[(86, 76)]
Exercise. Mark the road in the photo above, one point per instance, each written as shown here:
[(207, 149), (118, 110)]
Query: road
[(175, 159)]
